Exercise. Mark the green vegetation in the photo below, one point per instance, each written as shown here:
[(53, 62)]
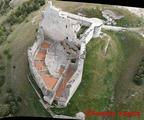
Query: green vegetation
[(6, 51), (2, 80), (129, 19), (90, 12), (22, 12), (21, 38), (126, 98), (104, 74), (0, 57), (33, 81), (9, 56), (10, 106), (4, 6), (15, 39), (81, 31), (4, 32), (18, 16), (99, 77), (139, 76), (2, 67), (101, 73)]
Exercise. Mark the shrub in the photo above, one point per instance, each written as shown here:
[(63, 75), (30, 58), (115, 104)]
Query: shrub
[(22, 12), (14, 109), (0, 56), (5, 110), (6, 51), (36, 29), (2, 67), (2, 80), (81, 31), (10, 107), (139, 76), (143, 58), (12, 103), (9, 56), (138, 81), (4, 32), (14, 67), (4, 5), (18, 99), (9, 98), (9, 90)]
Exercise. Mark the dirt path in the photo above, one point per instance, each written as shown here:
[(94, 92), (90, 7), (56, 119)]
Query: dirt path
[(116, 28)]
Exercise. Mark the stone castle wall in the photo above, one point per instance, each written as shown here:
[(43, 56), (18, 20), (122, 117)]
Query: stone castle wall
[(58, 26)]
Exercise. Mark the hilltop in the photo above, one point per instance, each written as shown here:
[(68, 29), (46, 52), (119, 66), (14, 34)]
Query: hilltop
[(107, 77)]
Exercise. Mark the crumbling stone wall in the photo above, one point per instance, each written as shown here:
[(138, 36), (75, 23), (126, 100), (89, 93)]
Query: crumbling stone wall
[(60, 27), (57, 27)]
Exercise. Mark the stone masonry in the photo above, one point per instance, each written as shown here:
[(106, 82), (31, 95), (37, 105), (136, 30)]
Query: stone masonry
[(57, 56)]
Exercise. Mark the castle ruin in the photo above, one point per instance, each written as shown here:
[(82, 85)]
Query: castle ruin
[(57, 56)]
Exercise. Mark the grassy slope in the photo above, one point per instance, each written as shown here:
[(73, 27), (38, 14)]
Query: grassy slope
[(129, 19), (133, 46), (96, 89), (17, 3), (100, 71), (19, 40)]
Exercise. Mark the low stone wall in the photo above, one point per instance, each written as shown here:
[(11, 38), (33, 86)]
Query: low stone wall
[(47, 107), (31, 55), (62, 76), (38, 79), (87, 36), (75, 80)]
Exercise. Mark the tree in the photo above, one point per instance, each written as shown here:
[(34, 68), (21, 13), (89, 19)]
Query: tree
[(0, 56), (138, 81), (18, 99), (12, 103), (9, 90), (2, 67), (140, 71), (14, 109), (2, 80), (6, 51), (5, 110), (9, 98)]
